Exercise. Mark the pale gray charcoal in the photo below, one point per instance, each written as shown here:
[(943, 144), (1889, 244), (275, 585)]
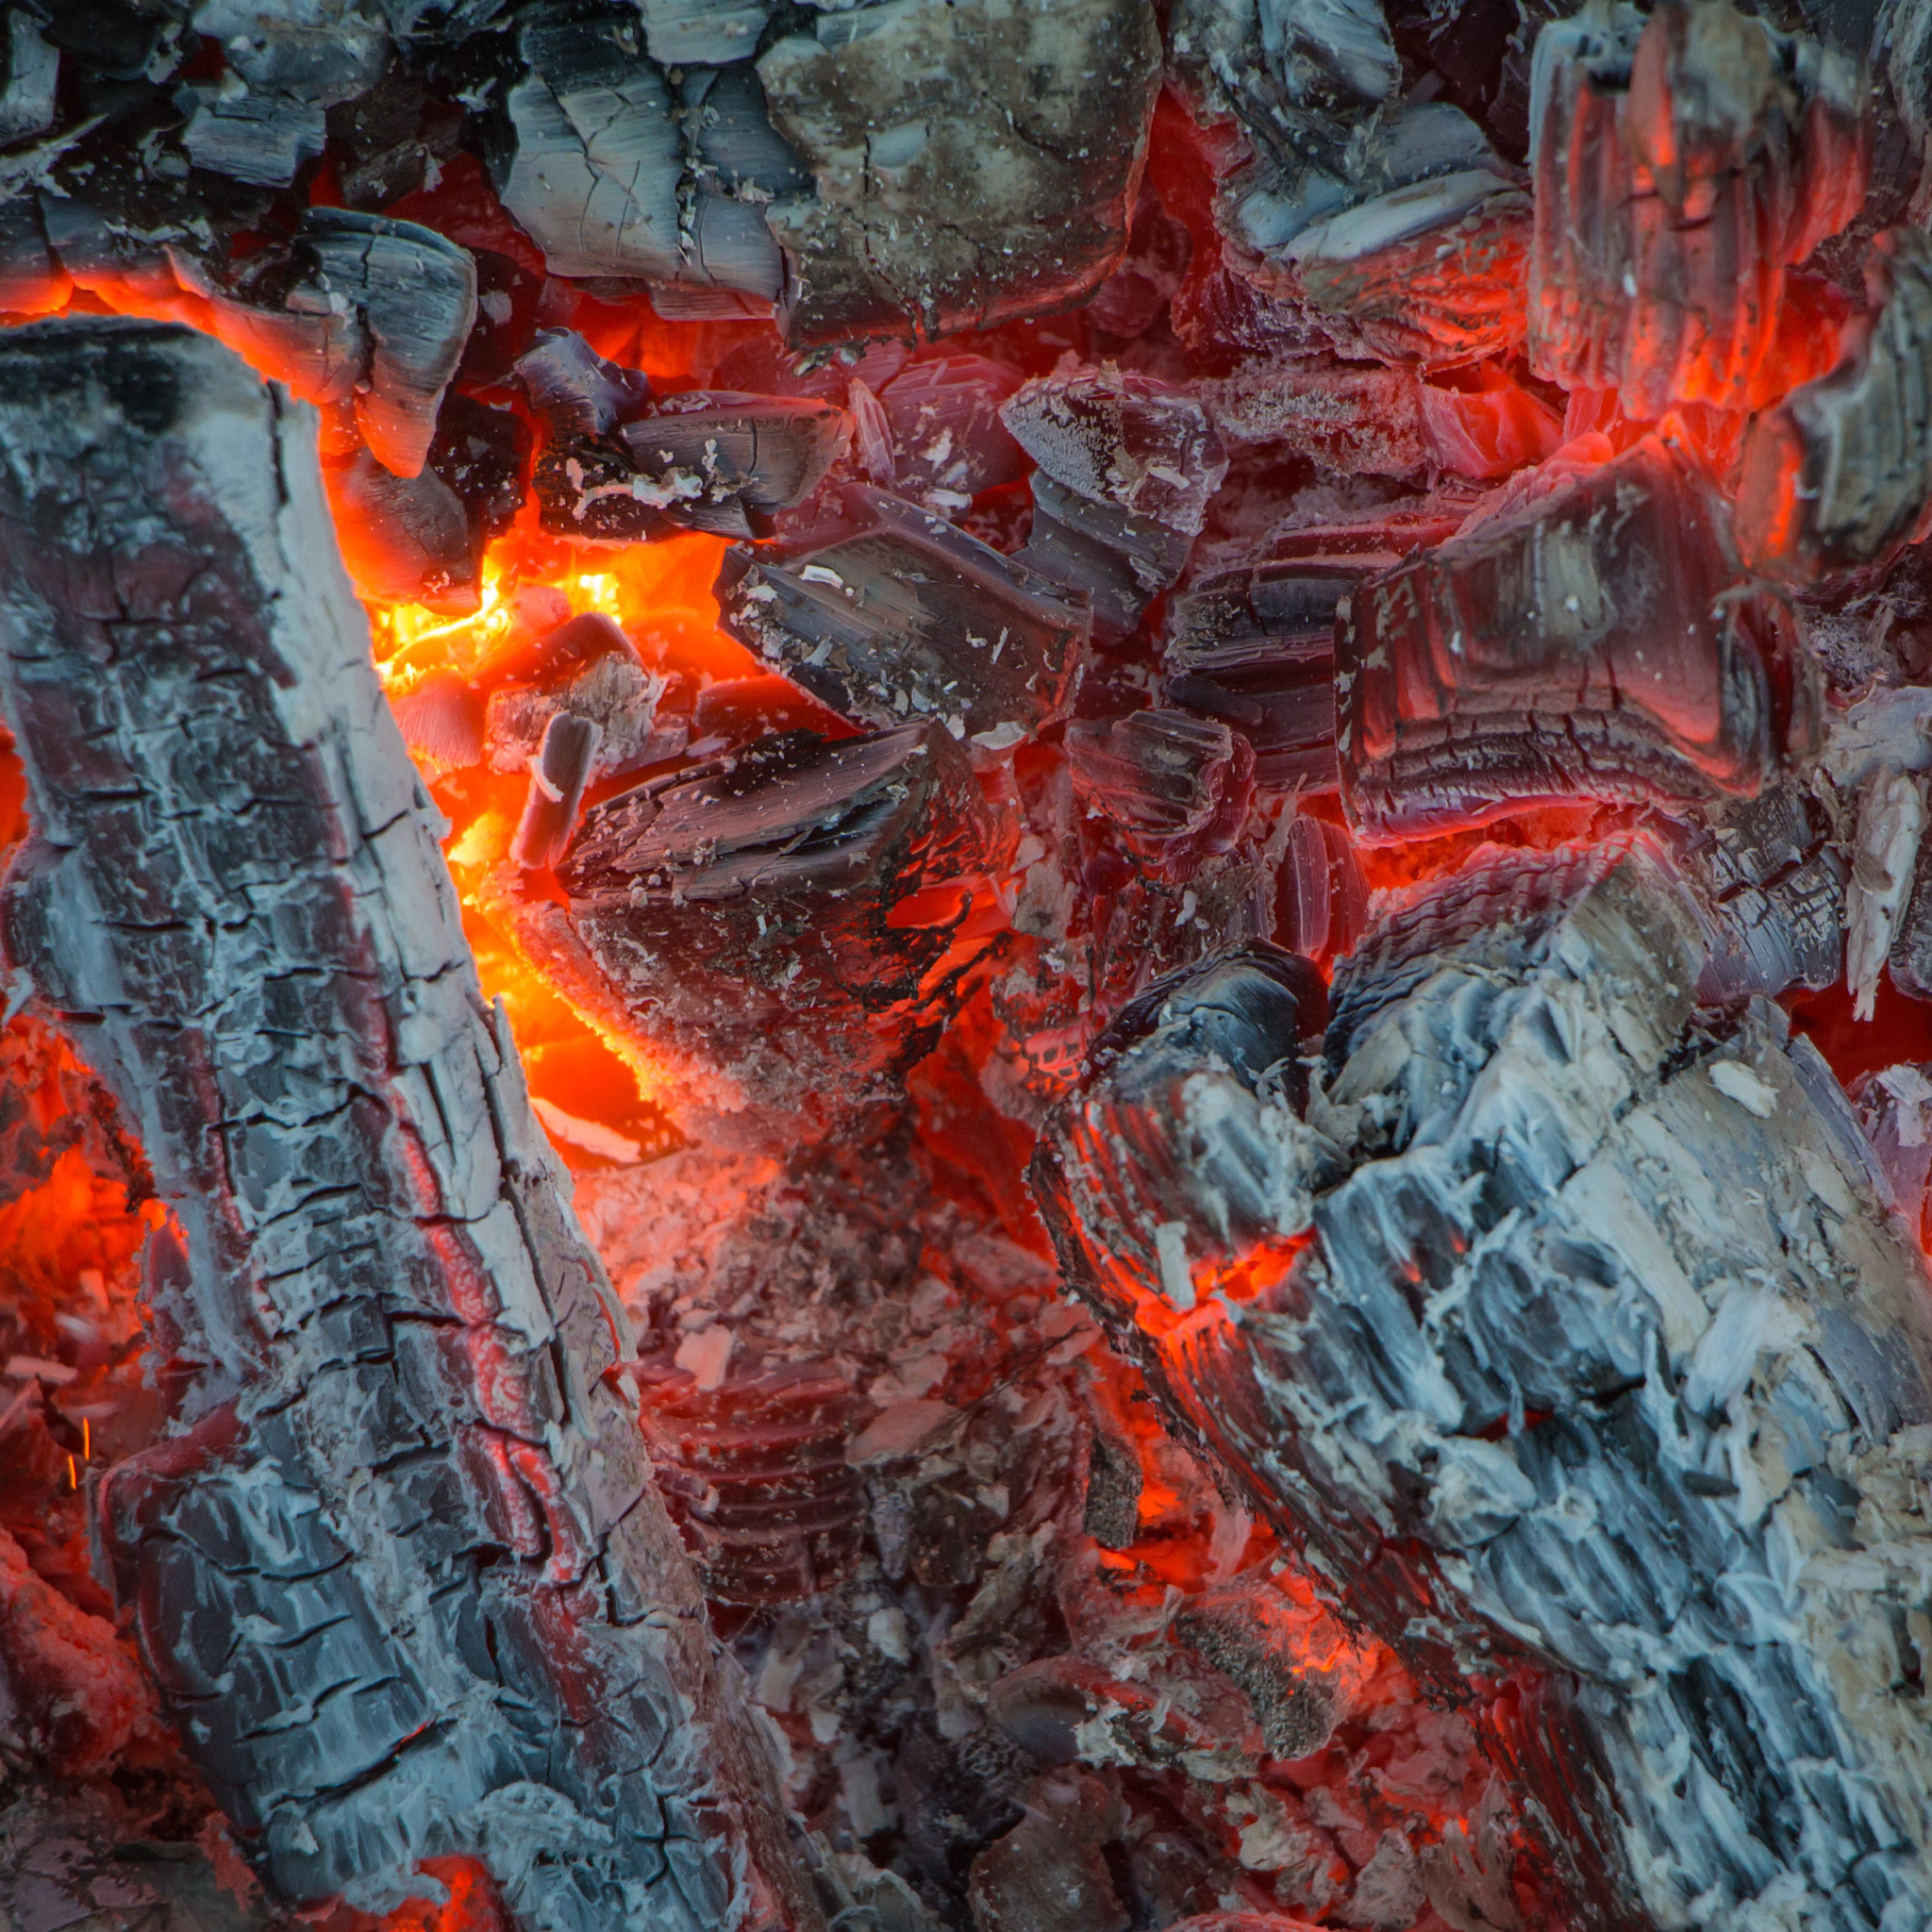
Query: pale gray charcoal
[(737, 165), (1885, 850), (259, 138), (902, 616), (727, 462), (974, 163), (397, 1470), (416, 294), (559, 770), (33, 71), (699, 33), (1590, 1343), (614, 690)]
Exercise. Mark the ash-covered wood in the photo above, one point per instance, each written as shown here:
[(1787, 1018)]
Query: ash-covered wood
[(400, 1571), (973, 162), (1567, 1326), (1600, 641)]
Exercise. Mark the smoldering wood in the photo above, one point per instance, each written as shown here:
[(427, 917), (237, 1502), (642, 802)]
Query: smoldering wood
[(1839, 475), (559, 770), (733, 924), (398, 1475), (1604, 1356), (1174, 787), (1557, 651), (901, 614), (1012, 140), (1680, 167)]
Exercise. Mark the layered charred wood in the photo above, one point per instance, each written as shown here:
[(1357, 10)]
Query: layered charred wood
[(1597, 642), (972, 163), (400, 1571), (735, 924), (1567, 1327), (1681, 166), (898, 615), (1174, 787), (1839, 475)]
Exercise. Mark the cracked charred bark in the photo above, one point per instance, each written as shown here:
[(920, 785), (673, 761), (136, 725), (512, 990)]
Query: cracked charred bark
[(402, 1572)]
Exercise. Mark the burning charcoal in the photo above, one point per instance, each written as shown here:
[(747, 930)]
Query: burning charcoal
[(1126, 467), (599, 155), (736, 922), (972, 166), (258, 137), (1135, 295), (1293, 1663), (404, 538), (33, 68), (1050, 1872), (1548, 1244), (483, 456), (398, 1471), (577, 392), (754, 1469), (741, 165), (948, 442), (611, 689), (1594, 643), (558, 774), (1776, 883), (1891, 819), (1356, 418), (1840, 474), (1174, 787), (416, 294), (1111, 1514), (1256, 646), (727, 462), (908, 615), (441, 723), (1323, 899), (1894, 1108), (1910, 959), (701, 33), (1680, 166)]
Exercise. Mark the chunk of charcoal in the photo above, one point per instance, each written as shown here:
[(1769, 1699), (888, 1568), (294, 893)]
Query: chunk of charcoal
[(1910, 960), (483, 456), (1174, 788), (947, 441), (614, 692), (257, 136), (556, 656), (1840, 474), (1351, 417), (1566, 1249), (1135, 295), (416, 293), (906, 616), (973, 165), (1255, 646), (1776, 883), (726, 463), (578, 393), (406, 540), (1111, 1513), (442, 721), (1681, 166), (740, 165), (559, 773), (33, 69), (1321, 897), (735, 921), (1885, 851), (1126, 465), (699, 33), (755, 1473), (394, 1337), (1050, 1872), (1596, 642), (1294, 1663), (599, 155), (1894, 1108)]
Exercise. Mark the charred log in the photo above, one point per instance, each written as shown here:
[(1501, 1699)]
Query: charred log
[(1567, 1325), (401, 1572)]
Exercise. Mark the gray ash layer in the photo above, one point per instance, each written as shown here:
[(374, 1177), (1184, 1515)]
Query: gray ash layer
[(1605, 1354), (401, 1573)]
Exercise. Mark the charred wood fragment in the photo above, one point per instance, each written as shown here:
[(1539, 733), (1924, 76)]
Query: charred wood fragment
[(1681, 165), (401, 1572), (1565, 1324), (1596, 642), (1839, 475), (974, 163), (901, 615), (1174, 787), (735, 924)]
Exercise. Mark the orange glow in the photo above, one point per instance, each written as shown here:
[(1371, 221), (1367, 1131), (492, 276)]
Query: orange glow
[(73, 1221)]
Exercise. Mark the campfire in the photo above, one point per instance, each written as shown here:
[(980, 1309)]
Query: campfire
[(966, 966)]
